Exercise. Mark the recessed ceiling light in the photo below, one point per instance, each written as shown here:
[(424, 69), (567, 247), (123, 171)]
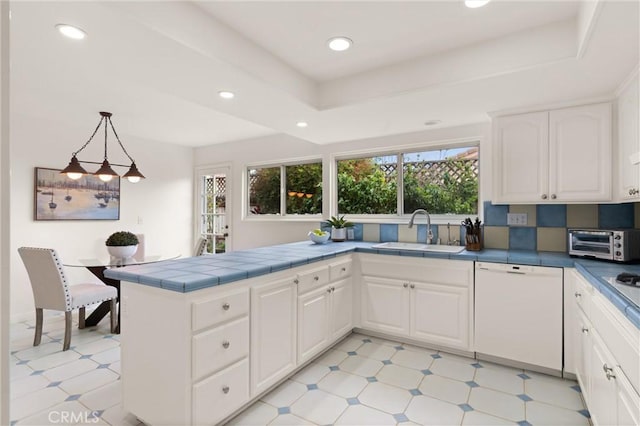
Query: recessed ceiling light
[(473, 4), (339, 44), (432, 122), (71, 31), (226, 95), (302, 124)]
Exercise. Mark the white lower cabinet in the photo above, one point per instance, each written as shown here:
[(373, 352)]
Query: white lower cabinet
[(433, 303), (273, 333)]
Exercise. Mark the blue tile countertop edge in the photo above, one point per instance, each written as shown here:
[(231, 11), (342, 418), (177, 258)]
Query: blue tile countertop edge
[(180, 275)]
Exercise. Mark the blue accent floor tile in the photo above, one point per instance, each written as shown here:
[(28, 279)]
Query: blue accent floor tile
[(472, 384), (524, 423), (366, 340), (436, 356), (426, 372), (551, 215), (371, 379), (388, 232), (23, 362), (334, 368), (386, 361), (53, 384), (523, 376), (615, 215), (85, 356), (352, 353), (495, 215), (400, 417), (73, 397), (312, 386), (103, 366), (522, 238), (37, 373), (284, 410), (353, 401), (477, 365), (524, 397), (415, 392), (585, 413), (399, 348), (576, 388), (465, 407)]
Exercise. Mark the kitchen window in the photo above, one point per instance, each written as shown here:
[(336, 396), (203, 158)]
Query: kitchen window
[(442, 181), (285, 190)]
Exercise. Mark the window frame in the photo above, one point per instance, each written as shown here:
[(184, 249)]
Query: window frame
[(282, 216), (401, 217)]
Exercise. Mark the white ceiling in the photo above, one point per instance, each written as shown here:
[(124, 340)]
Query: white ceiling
[(159, 65)]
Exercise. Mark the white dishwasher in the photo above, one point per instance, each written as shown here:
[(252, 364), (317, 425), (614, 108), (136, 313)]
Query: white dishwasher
[(518, 313)]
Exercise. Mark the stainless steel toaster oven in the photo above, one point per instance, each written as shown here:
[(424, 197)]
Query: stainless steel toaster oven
[(618, 245)]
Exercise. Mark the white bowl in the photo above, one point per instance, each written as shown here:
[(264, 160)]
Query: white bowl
[(122, 252), (319, 239)]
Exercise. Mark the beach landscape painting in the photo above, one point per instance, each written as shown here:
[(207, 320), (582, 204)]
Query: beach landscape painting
[(56, 197)]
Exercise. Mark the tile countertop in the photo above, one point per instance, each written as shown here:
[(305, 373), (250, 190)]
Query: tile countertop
[(195, 273)]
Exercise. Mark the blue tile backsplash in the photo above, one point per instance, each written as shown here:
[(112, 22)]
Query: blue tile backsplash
[(495, 215), (388, 232), (552, 215), (616, 215), (522, 238)]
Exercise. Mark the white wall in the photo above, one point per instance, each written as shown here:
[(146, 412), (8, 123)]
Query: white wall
[(163, 201), (251, 233)]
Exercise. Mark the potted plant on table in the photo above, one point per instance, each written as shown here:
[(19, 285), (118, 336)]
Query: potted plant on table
[(122, 244), (339, 227)]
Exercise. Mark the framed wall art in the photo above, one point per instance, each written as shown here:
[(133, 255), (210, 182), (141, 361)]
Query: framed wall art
[(56, 197)]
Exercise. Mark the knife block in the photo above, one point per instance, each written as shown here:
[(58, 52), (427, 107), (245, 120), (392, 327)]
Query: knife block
[(472, 245)]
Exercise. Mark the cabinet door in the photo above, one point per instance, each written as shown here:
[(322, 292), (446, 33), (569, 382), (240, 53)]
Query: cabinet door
[(341, 308), (582, 353), (273, 333), (602, 401), (440, 314), (629, 141), (628, 402), (521, 171), (580, 153), (385, 305), (313, 322)]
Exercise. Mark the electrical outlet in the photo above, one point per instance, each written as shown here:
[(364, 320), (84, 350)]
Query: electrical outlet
[(516, 219)]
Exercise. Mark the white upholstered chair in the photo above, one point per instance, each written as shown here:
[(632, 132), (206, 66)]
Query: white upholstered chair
[(201, 247), (51, 291)]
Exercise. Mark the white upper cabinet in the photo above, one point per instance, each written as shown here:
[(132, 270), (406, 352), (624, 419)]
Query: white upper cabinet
[(562, 156), (629, 141)]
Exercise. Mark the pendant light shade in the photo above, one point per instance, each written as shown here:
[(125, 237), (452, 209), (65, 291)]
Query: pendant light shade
[(75, 171)]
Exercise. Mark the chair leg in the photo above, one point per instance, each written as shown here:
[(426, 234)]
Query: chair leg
[(114, 315), (38, 337), (67, 330), (81, 314)]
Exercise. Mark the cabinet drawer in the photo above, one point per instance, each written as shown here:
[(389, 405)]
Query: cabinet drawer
[(221, 394), (215, 349), (308, 280), (582, 294), (340, 270), (220, 309)]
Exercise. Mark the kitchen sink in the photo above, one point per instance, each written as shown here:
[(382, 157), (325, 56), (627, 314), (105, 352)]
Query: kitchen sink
[(437, 248)]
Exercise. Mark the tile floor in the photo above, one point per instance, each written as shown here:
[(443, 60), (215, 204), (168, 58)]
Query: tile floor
[(360, 381)]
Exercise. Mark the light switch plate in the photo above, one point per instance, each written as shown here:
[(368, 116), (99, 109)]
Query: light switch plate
[(516, 219)]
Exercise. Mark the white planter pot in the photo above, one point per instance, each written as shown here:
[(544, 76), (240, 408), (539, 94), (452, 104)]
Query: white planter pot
[(122, 252), (338, 234)]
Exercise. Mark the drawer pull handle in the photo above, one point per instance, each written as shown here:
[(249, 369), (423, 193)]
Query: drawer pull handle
[(412, 286), (296, 281), (316, 278), (585, 330), (329, 290), (225, 389), (225, 344), (608, 371), (333, 289), (344, 269), (576, 294), (405, 285), (226, 306)]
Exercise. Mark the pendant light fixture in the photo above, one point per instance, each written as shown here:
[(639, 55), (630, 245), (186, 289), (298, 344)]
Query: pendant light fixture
[(75, 171)]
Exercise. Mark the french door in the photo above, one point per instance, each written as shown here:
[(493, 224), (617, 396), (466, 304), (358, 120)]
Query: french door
[(214, 207)]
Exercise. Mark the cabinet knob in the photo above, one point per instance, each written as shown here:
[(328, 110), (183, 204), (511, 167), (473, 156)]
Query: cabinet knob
[(226, 306), (412, 286), (576, 294), (296, 281), (553, 196), (329, 290), (316, 278), (225, 389), (225, 344), (631, 191), (405, 285), (544, 196), (344, 269), (585, 330), (333, 289)]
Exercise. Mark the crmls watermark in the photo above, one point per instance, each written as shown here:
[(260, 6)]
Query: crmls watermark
[(72, 417)]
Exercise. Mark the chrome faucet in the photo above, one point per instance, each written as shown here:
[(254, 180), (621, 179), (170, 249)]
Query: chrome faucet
[(426, 213)]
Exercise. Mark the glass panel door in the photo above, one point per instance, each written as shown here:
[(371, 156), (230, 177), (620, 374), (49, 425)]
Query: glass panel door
[(213, 200)]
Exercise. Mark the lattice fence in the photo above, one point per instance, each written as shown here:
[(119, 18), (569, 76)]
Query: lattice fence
[(434, 171)]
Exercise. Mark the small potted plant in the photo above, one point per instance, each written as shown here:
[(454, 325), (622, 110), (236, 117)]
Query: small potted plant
[(339, 227), (122, 244)]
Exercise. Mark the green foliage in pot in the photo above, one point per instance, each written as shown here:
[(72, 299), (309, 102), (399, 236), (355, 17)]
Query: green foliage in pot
[(339, 222), (122, 238)]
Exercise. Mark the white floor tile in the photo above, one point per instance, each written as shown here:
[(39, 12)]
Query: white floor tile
[(343, 384), (497, 403), (311, 374), (351, 343), (108, 356), (503, 380), (381, 341), (96, 346), (35, 402), (103, 397), (17, 372), (402, 377), (445, 389), (285, 394), (499, 367), (384, 397), (454, 369), (425, 410), (376, 351), (419, 360), (27, 385), (365, 367), (115, 367), (88, 381), (290, 419), (477, 418), (54, 360), (35, 352), (553, 391), (70, 412), (319, 407), (332, 357), (363, 415), (543, 414), (70, 370), (258, 414)]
